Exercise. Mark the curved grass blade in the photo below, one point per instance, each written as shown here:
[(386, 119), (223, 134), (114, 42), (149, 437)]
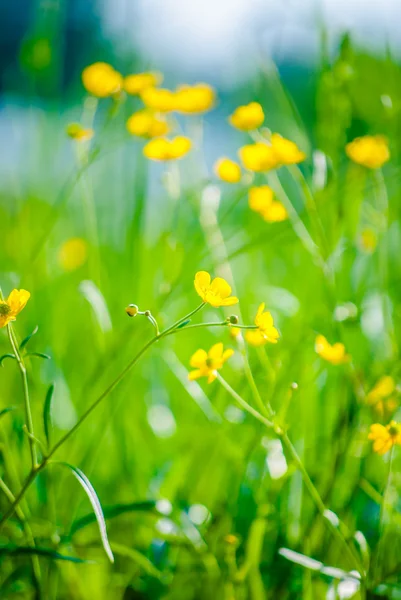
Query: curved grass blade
[(45, 552), (109, 512), (39, 355), (138, 558), (97, 507), (6, 410), (28, 337), (47, 407), (4, 357)]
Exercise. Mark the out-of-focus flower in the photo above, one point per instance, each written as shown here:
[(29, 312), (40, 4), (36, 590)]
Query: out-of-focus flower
[(368, 240), (334, 354), (216, 292), (73, 254), (385, 437), (76, 132), (139, 82), (159, 99), (145, 123), (10, 308), (228, 170), (195, 99), (265, 332), (382, 395), (286, 151), (101, 80), (164, 149), (370, 151), (258, 157), (248, 117), (206, 364), (261, 200)]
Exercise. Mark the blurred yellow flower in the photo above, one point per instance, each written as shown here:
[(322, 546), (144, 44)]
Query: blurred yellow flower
[(248, 117), (216, 292), (258, 157), (368, 240), (265, 332), (76, 132), (287, 152), (207, 364), (135, 84), (101, 80), (370, 151), (145, 123), (334, 354), (194, 99), (10, 308), (261, 200), (381, 396), (72, 254), (159, 99), (228, 170), (385, 437), (164, 149)]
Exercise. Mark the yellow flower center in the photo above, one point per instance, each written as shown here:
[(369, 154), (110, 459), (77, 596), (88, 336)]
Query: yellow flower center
[(393, 430), (4, 309), (210, 363)]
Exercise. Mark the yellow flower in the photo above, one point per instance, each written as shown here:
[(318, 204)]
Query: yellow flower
[(10, 308), (139, 82), (194, 99), (287, 152), (368, 240), (258, 157), (370, 151), (101, 80), (72, 254), (228, 170), (265, 332), (159, 99), (247, 117), (216, 292), (381, 395), (207, 364), (144, 123), (261, 200), (79, 133), (334, 354), (164, 149), (385, 437)]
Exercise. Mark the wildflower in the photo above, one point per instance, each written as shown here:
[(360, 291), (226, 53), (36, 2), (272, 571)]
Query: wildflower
[(139, 82), (385, 437), (258, 157), (164, 149), (216, 292), (265, 332), (381, 396), (334, 354), (261, 200), (248, 117), (207, 364), (10, 308), (194, 99), (72, 254), (287, 152), (145, 123), (159, 99), (228, 170), (76, 132), (132, 310), (101, 80), (370, 151)]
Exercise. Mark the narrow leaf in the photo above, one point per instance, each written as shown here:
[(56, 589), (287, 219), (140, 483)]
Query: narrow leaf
[(109, 512), (97, 508), (46, 552), (138, 558), (6, 410), (183, 324), (6, 356), (39, 355), (47, 420), (28, 337)]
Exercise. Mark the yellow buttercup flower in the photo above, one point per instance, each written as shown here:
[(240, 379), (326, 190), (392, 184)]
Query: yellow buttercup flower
[(228, 170), (334, 354), (194, 99), (101, 80), (164, 149), (370, 151), (73, 254), (206, 364), (287, 152), (10, 308), (368, 240), (216, 292), (261, 200), (381, 396), (139, 82), (159, 99), (265, 332), (248, 117), (258, 157), (76, 132), (385, 437), (145, 123)]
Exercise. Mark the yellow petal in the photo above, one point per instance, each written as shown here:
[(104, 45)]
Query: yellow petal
[(198, 359), (220, 287), (216, 351), (202, 283), (17, 301), (254, 337), (194, 375)]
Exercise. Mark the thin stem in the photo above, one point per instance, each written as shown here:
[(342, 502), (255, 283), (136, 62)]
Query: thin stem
[(243, 403), (383, 505)]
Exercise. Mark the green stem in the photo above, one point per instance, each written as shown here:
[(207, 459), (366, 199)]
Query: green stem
[(243, 403)]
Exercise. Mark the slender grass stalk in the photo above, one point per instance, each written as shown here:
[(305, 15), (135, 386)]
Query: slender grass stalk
[(383, 505)]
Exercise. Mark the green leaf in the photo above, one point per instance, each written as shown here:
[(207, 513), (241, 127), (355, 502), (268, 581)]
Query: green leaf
[(4, 357), (139, 559), (183, 324), (28, 337), (39, 355), (97, 507), (46, 552), (6, 410), (109, 512), (316, 565), (47, 420)]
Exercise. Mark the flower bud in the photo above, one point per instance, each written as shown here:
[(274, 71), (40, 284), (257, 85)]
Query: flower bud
[(233, 320), (132, 310)]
